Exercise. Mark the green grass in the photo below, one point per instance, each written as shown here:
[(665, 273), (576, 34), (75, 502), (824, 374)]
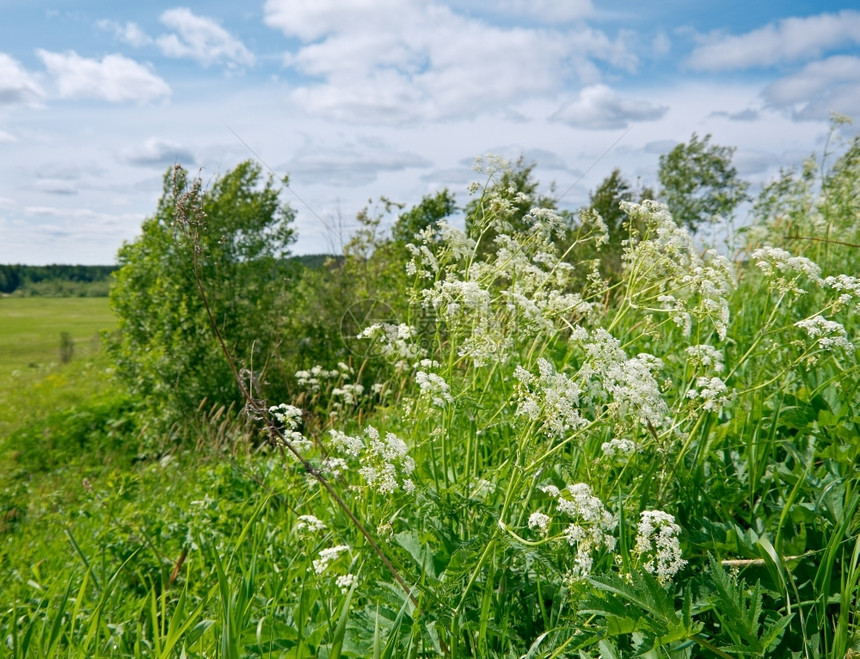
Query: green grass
[(33, 380), (30, 329)]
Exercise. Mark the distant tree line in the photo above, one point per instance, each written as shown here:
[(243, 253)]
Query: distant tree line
[(82, 280)]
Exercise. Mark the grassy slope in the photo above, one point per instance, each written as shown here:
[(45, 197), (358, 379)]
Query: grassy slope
[(33, 382), (30, 328)]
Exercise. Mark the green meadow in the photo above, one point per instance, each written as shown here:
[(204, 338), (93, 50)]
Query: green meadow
[(33, 378), (31, 328)]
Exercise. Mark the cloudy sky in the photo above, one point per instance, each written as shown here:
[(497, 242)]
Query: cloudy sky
[(354, 99)]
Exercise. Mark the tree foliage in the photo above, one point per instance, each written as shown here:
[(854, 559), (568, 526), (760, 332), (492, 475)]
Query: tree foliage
[(606, 201), (55, 279), (428, 211), (513, 185), (164, 347), (700, 184)]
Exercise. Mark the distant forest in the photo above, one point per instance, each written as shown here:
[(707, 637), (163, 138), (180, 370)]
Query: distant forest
[(81, 280), (56, 280)]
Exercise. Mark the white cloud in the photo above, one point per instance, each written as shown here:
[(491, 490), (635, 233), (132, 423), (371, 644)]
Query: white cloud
[(129, 33), (202, 39), (787, 40), (387, 61), (157, 152), (661, 45), (7, 137), (822, 87), (16, 84), (55, 186), (113, 78), (548, 11), (312, 19), (748, 114), (599, 107), (349, 165)]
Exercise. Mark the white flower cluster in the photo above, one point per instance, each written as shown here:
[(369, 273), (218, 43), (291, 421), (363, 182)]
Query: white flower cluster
[(457, 300), (309, 524), (619, 447), (657, 542), (291, 416), (348, 393), (848, 287), (328, 556), (630, 382), (713, 393), (537, 277), (591, 528), (666, 260), (434, 387), (487, 343), (784, 270), (830, 334), (312, 379), (393, 341), (345, 582), (707, 356), (384, 464), (521, 288), (539, 522), (288, 415), (423, 262), (550, 398)]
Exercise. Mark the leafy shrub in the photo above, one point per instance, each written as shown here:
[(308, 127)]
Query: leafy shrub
[(163, 348)]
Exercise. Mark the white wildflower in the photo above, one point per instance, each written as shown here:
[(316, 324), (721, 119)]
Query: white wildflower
[(657, 542), (328, 556), (849, 288), (539, 522), (784, 270), (309, 523), (712, 391), (384, 463), (423, 263), (352, 446), (591, 529), (707, 356), (434, 387), (829, 334), (630, 382), (334, 467), (349, 393), (458, 244), (288, 415), (393, 341), (345, 582), (550, 491), (666, 260), (614, 447), (551, 398), (487, 344)]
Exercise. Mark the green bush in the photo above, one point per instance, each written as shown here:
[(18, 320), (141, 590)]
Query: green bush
[(237, 234)]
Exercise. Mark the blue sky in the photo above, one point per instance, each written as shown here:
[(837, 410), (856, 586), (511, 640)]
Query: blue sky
[(354, 99)]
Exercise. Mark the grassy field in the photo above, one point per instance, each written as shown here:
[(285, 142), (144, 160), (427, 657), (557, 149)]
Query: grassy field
[(33, 379), (30, 329)]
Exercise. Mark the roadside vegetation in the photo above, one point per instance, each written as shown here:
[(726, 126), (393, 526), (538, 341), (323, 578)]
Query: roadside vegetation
[(550, 434)]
